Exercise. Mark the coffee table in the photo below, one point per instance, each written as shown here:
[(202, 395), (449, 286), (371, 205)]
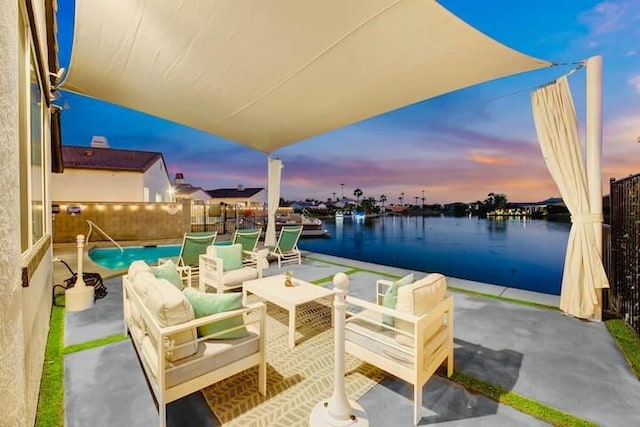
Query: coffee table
[(272, 289)]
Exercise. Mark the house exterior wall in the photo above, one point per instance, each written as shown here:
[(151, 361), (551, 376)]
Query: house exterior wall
[(157, 181), (86, 185), (24, 311), (258, 200), (12, 369)]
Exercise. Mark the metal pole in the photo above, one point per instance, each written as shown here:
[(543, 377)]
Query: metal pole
[(594, 152)]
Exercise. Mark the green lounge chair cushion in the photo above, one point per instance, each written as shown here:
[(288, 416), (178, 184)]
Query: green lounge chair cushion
[(167, 270), (231, 256), (390, 299), (205, 304)]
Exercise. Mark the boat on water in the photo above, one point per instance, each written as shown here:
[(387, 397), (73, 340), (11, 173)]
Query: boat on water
[(359, 215), (311, 227), (341, 214)]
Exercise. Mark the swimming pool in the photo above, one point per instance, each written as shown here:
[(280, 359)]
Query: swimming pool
[(114, 259)]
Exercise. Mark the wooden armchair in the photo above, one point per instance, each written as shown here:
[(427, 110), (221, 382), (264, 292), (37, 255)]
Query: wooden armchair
[(410, 341)]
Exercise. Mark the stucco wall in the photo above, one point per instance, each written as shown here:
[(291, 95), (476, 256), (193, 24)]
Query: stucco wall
[(36, 313), (97, 186), (157, 180), (12, 367)]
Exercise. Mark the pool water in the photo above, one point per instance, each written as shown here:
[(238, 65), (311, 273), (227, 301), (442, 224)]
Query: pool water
[(114, 259)]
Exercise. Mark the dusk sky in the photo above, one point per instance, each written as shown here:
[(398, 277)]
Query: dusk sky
[(457, 147)]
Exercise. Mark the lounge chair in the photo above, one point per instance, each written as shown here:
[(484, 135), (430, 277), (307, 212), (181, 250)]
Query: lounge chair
[(286, 249), (193, 245), (249, 241)]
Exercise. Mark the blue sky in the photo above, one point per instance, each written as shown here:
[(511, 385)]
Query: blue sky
[(457, 147)]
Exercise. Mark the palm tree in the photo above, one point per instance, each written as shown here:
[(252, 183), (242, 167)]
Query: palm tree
[(401, 198), (383, 199), (358, 193)]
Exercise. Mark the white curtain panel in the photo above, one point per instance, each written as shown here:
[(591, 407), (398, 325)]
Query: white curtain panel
[(274, 172), (557, 127)]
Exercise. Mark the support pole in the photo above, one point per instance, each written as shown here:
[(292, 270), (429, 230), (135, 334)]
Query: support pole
[(338, 411), (594, 153), (80, 297)]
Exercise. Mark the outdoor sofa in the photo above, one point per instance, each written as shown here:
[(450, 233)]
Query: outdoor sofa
[(176, 358)]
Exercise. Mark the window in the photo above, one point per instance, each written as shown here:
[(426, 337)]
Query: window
[(32, 142)]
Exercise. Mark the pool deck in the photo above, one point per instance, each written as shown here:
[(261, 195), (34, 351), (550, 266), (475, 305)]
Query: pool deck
[(538, 353)]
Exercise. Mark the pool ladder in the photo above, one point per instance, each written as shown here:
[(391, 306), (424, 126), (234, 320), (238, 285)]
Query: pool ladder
[(92, 225)]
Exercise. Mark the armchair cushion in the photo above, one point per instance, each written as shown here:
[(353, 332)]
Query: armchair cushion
[(418, 299), (231, 256), (205, 304), (390, 299), (169, 271)]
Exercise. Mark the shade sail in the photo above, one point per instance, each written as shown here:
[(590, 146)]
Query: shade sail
[(267, 74)]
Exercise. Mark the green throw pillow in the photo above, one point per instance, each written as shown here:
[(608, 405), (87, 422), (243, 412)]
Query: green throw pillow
[(231, 256), (168, 271), (390, 298), (205, 304)]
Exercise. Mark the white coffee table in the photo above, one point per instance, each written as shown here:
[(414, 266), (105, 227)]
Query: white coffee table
[(272, 289)]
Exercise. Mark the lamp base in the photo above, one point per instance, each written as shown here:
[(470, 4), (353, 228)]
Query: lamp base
[(320, 417), (78, 298)]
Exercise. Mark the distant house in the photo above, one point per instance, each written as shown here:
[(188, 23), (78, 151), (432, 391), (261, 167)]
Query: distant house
[(184, 190), (102, 174), (240, 196)]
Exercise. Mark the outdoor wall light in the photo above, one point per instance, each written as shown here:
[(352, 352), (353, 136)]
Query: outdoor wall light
[(74, 210)]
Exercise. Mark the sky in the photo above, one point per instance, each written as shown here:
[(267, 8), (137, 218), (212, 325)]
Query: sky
[(456, 147)]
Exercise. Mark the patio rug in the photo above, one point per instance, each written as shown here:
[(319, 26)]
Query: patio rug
[(297, 379)]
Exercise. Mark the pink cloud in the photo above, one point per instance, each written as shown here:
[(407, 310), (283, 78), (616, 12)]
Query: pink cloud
[(491, 158)]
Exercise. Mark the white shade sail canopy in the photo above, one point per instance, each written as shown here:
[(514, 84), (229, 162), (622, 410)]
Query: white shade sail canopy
[(267, 74)]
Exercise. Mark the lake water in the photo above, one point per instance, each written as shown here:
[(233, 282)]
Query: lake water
[(526, 254)]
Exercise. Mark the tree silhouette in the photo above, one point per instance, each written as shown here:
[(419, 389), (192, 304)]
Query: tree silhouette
[(383, 199), (401, 198), (358, 193)]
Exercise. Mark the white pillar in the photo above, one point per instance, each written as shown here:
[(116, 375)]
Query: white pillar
[(80, 297), (338, 411), (594, 152), (274, 167), (12, 361)]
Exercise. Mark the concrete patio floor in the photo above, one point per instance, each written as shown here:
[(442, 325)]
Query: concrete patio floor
[(538, 353)]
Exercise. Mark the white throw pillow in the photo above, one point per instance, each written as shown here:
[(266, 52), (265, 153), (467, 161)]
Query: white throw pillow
[(419, 298)]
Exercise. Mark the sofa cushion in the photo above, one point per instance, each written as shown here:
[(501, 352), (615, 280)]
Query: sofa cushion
[(170, 307), (418, 299), (205, 304), (141, 283), (169, 271), (137, 267), (210, 355), (390, 298)]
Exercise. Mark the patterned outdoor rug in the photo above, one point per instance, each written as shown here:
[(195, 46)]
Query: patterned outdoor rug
[(297, 379)]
